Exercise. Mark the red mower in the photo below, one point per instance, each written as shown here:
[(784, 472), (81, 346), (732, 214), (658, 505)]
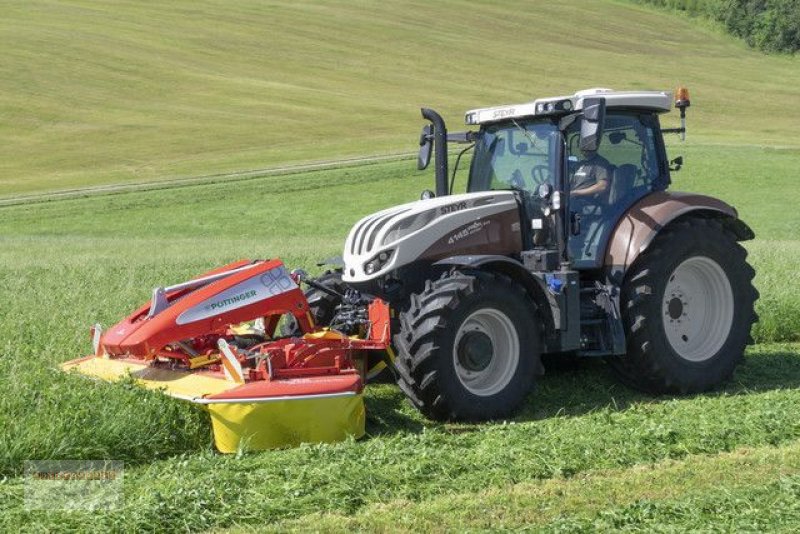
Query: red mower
[(214, 341)]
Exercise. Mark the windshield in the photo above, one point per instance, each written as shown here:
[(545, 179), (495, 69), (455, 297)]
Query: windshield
[(516, 155)]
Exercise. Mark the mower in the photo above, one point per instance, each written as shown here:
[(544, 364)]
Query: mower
[(212, 341), (567, 243)]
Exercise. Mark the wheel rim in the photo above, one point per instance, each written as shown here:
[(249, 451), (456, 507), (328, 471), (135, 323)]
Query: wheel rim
[(486, 352), (697, 309)]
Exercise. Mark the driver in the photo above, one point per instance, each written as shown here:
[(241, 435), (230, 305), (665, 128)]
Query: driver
[(591, 178)]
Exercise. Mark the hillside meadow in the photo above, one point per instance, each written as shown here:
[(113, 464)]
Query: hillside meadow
[(97, 93)]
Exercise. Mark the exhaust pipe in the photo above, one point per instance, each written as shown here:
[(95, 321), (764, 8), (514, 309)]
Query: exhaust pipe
[(440, 148)]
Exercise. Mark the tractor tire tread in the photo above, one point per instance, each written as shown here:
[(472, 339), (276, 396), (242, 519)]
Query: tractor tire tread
[(418, 341)]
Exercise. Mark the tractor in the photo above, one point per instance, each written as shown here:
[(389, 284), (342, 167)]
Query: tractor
[(567, 242)]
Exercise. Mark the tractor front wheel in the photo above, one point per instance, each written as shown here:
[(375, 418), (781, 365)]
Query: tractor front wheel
[(468, 347)]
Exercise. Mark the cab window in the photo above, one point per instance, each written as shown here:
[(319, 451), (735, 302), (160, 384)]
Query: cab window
[(628, 149), (520, 155)]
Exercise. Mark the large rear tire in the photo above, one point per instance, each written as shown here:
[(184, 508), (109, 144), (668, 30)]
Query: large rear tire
[(687, 307), (468, 347)]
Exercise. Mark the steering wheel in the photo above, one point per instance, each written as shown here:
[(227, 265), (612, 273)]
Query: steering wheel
[(540, 174)]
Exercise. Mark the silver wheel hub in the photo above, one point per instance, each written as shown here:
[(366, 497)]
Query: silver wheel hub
[(697, 309), (486, 352)]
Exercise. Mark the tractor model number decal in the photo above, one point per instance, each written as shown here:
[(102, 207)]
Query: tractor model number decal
[(260, 287), (450, 208), (472, 229)]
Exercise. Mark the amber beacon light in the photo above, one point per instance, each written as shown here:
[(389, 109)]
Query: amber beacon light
[(682, 102)]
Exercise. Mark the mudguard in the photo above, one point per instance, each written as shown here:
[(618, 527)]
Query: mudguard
[(503, 264), (550, 308), (645, 219)]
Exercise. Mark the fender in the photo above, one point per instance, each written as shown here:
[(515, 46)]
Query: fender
[(646, 218), (514, 269), (494, 262)]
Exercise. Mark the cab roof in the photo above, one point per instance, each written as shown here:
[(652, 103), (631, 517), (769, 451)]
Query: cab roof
[(657, 101)]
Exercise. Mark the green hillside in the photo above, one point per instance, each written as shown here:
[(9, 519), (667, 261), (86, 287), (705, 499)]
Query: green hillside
[(99, 93)]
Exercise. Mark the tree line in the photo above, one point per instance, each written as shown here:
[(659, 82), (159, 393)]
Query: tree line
[(768, 25)]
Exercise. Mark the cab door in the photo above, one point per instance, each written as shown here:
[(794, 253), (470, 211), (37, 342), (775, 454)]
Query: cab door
[(632, 160)]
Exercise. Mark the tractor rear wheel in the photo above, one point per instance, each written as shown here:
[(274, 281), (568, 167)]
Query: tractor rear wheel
[(468, 347), (688, 305)]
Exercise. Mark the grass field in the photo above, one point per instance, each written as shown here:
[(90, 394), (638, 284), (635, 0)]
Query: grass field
[(584, 454), (69, 263), (93, 93)]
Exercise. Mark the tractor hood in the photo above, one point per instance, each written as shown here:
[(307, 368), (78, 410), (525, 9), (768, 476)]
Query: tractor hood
[(473, 223)]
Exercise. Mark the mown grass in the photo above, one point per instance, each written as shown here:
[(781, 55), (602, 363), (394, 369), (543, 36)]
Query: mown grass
[(671, 495), (561, 435), (92, 93)]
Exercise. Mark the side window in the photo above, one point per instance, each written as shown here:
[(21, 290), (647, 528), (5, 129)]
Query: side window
[(628, 146)]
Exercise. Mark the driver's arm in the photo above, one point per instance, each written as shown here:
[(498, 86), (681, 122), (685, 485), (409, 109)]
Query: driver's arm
[(598, 187)]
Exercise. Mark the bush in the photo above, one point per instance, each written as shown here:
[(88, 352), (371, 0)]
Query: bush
[(769, 25)]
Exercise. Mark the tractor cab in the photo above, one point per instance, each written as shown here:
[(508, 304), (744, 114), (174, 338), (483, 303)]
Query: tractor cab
[(629, 164), (540, 150)]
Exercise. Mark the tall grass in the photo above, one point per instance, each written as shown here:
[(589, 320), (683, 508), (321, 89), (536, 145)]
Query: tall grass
[(66, 264)]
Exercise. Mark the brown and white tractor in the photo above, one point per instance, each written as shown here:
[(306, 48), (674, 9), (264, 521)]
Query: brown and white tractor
[(566, 241)]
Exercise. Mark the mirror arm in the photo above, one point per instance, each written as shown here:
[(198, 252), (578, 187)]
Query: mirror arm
[(455, 167), (567, 121), (462, 137)]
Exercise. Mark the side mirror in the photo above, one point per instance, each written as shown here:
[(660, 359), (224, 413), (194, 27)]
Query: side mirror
[(594, 115), (425, 144)]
